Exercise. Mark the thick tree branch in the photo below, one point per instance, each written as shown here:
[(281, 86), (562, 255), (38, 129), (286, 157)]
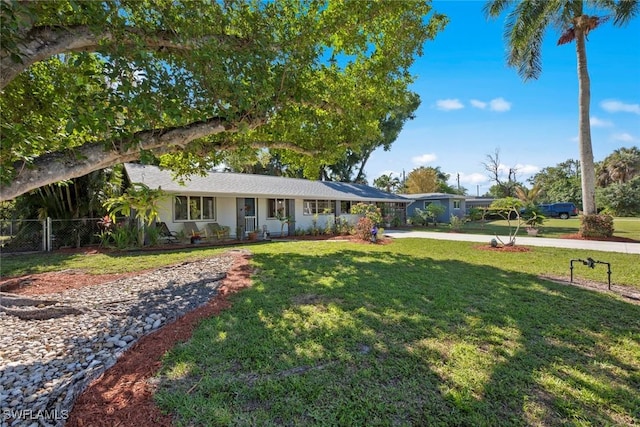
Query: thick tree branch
[(44, 42), (60, 166)]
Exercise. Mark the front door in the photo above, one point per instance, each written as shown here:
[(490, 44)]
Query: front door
[(250, 217)]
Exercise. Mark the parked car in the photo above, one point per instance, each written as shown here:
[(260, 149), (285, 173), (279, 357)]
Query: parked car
[(561, 210)]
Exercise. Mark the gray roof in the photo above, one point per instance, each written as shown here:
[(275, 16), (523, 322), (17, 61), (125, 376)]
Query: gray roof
[(239, 184), (432, 196)]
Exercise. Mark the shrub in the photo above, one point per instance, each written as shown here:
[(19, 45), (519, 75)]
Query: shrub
[(456, 223), (596, 226), (369, 211), (343, 227), (417, 220), (476, 214), (363, 228)]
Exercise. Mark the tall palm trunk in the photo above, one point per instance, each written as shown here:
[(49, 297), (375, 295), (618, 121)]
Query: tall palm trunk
[(588, 175)]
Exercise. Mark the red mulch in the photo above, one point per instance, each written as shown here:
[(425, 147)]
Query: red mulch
[(349, 238), (48, 283), (600, 239), (122, 395)]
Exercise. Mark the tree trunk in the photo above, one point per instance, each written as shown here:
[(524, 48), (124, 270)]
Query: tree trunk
[(588, 175), (37, 309), (58, 166)]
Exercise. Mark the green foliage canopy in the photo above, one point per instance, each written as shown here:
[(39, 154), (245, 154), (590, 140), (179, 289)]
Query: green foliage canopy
[(88, 85)]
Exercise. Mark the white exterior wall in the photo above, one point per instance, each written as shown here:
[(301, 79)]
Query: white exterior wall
[(273, 224), (226, 216)]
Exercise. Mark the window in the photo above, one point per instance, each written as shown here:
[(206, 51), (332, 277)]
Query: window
[(312, 207), (456, 204), (180, 208), (345, 206), (276, 208), (194, 208), (426, 204)]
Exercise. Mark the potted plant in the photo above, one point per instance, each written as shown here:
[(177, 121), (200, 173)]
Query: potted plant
[(533, 221), (195, 238)]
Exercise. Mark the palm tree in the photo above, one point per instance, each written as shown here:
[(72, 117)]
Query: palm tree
[(525, 26), (529, 196), (387, 183), (621, 166)]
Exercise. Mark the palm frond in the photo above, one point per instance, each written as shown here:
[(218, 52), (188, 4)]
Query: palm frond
[(625, 11), (494, 8), (525, 28), (567, 36)]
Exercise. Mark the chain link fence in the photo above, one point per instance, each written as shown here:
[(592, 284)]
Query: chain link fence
[(25, 235), (33, 235)]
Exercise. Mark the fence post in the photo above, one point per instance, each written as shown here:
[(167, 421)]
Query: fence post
[(48, 234)]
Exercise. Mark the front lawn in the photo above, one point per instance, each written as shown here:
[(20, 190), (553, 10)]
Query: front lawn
[(553, 227), (419, 332)]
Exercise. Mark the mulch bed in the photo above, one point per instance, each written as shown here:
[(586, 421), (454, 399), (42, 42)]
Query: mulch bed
[(122, 396)]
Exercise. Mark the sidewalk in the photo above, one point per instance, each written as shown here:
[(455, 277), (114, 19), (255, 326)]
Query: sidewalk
[(627, 248)]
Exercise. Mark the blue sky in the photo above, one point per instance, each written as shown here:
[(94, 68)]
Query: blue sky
[(473, 104)]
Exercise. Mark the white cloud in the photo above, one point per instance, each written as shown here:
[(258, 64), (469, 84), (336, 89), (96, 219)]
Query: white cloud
[(526, 169), (424, 159), (471, 178), (623, 137), (600, 123), (499, 104), (478, 104), (614, 106), (504, 169), (449, 104)]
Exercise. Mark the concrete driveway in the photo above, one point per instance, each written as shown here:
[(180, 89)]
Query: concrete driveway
[(627, 248)]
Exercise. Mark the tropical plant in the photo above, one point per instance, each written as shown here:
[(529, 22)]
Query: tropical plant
[(508, 208), (621, 199), (619, 167), (430, 213), (533, 217), (456, 223), (529, 195), (140, 200), (388, 183), (526, 24)]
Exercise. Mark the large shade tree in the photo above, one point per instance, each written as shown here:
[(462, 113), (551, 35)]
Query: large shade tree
[(427, 180), (526, 23), (350, 168), (619, 167), (88, 84), (559, 183)]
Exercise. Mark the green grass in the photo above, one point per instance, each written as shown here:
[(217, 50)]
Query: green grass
[(418, 332), (552, 227), (99, 263)]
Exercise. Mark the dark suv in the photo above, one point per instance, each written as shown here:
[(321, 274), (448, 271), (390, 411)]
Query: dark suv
[(559, 210)]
